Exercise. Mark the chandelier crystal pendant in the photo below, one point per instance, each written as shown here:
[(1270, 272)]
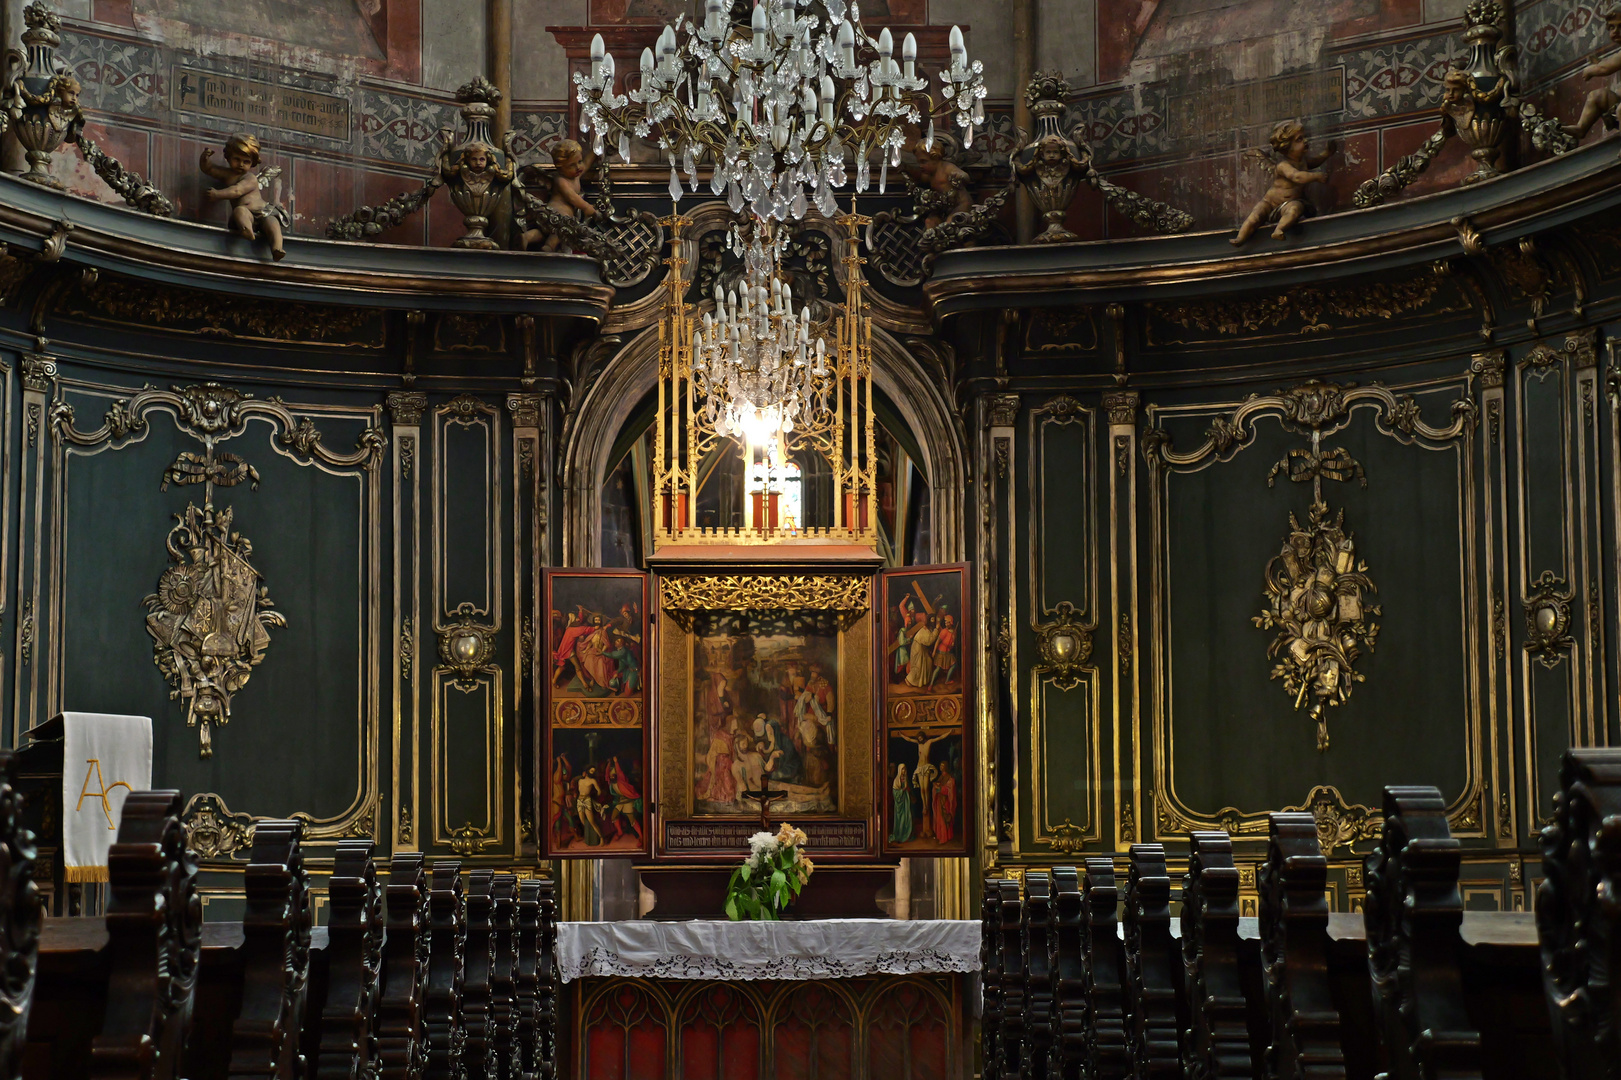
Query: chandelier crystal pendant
[(771, 378), (781, 109), (754, 365), (778, 106)]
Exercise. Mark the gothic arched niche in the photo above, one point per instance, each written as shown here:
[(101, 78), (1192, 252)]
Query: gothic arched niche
[(804, 482), (606, 447)]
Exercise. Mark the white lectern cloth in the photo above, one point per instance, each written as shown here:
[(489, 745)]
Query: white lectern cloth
[(104, 758), (813, 949)]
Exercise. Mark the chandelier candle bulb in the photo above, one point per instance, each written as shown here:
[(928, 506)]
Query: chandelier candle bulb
[(909, 55)]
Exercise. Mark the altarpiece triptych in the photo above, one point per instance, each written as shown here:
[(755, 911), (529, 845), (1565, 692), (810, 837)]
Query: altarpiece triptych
[(674, 701)]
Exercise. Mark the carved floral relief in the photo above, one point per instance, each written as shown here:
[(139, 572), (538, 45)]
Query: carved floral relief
[(1317, 593)]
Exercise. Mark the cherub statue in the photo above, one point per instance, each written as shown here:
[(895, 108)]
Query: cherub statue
[(945, 185), (560, 187), (1284, 201), (251, 213), (1601, 103)]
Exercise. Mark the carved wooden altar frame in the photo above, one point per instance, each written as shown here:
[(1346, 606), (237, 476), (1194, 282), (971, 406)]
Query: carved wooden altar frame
[(842, 588)]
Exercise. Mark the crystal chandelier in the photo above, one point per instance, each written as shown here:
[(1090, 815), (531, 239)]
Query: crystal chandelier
[(753, 362), (756, 371), (779, 107)]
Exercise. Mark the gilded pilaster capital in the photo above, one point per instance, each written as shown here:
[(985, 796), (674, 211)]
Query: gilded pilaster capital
[(1002, 410), (405, 407), (526, 409)]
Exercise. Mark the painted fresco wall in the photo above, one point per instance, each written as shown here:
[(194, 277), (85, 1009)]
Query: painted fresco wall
[(1172, 93)]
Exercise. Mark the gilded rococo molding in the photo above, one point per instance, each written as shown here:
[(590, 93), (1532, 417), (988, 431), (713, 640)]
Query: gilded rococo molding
[(1316, 587), (1316, 580), (210, 615), (765, 592), (1547, 619), (215, 832), (214, 413), (1340, 823)]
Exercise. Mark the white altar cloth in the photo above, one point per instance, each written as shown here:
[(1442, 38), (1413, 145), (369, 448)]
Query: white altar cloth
[(812, 949)]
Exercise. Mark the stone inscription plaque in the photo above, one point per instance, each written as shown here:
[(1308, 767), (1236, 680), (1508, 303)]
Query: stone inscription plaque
[(255, 103)]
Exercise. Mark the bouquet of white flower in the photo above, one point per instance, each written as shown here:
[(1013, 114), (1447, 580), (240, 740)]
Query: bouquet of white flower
[(770, 878)]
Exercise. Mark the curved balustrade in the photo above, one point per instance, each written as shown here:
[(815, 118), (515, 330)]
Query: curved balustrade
[(1411, 232)]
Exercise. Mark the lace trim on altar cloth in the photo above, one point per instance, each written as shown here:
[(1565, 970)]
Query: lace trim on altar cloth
[(598, 962), (713, 950)]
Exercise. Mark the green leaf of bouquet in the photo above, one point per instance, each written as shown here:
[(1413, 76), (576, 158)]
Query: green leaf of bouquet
[(778, 880), (731, 909)]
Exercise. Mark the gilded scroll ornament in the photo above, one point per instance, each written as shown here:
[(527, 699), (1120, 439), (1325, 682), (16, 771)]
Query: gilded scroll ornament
[(1065, 838), (1066, 647), (1547, 619), (465, 647), (470, 839), (1315, 591), (1339, 824), (212, 831), (210, 617), (766, 592)]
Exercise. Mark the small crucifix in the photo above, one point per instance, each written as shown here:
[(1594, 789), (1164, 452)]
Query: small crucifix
[(765, 797)]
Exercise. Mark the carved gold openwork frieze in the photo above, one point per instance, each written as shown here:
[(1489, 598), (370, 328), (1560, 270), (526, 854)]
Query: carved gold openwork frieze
[(849, 593)]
